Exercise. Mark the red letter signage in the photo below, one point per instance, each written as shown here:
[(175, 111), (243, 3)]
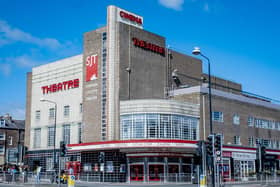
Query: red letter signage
[(148, 46), (91, 67), (131, 17), (66, 85)]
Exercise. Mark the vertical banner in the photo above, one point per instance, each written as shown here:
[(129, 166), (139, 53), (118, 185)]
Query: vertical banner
[(91, 67)]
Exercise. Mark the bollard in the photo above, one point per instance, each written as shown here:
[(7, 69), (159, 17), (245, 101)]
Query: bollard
[(71, 181), (202, 181)]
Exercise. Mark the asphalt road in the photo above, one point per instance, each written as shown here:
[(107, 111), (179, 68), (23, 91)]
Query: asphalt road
[(135, 185)]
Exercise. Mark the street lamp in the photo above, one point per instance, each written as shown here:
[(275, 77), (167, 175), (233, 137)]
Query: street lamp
[(196, 51), (128, 70), (55, 108)]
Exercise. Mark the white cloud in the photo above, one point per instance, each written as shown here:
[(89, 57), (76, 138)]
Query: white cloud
[(18, 113), (15, 113), (5, 69), (173, 4), (23, 61), (9, 34)]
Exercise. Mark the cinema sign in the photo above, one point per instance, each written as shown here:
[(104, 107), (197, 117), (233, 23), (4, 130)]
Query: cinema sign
[(129, 18)]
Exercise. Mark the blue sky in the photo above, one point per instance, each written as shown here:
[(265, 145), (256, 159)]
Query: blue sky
[(241, 38)]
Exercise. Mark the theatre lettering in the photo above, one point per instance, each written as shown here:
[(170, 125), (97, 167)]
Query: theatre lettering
[(65, 85), (148, 46)]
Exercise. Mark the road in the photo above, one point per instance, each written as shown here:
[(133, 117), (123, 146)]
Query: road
[(135, 185)]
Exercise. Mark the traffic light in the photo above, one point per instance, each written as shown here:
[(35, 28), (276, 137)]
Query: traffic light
[(198, 153), (263, 153), (101, 157), (62, 149), (209, 145), (218, 147), (218, 142)]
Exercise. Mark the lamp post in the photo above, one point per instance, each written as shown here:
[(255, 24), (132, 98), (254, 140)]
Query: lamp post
[(128, 70), (55, 108), (196, 51)]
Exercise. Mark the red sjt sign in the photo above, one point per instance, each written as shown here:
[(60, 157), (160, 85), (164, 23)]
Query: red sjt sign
[(91, 67)]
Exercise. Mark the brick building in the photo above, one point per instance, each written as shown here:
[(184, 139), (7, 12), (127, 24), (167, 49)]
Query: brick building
[(11, 140), (120, 112)]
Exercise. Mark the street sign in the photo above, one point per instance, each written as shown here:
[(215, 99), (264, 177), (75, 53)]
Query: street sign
[(102, 167)]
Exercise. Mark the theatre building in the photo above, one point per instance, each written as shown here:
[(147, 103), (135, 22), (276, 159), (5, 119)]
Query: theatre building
[(124, 118)]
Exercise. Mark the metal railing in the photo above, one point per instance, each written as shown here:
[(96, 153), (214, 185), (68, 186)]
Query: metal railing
[(48, 178)]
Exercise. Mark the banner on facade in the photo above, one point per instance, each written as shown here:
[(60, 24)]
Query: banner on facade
[(91, 67), (243, 156)]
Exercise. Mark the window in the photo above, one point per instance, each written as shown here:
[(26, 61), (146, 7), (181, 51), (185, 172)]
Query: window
[(79, 132), (51, 113), (218, 116), (236, 119), (176, 126), (161, 126), (250, 121), (2, 136), (267, 143), (251, 141), (10, 140), (152, 125), (12, 154), (66, 134), (37, 114), (2, 122), (66, 110), (37, 138), (258, 141), (236, 140), (2, 149), (139, 122), (50, 136), (81, 107)]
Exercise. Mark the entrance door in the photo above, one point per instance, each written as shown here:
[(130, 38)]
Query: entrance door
[(137, 172), (173, 172), (244, 170), (156, 171)]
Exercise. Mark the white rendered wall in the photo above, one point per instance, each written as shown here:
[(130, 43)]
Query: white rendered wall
[(53, 73)]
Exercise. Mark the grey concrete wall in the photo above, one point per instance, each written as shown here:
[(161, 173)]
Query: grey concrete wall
[(189, 69), (147, 77), (92, 89)]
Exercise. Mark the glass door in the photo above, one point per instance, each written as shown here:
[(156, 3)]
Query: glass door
[(244, 170), (156, 171), (137, 172)]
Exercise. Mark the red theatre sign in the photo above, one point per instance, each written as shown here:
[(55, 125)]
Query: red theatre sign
[(91, 67), (131, 17), (65, 85), (148, 46)]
